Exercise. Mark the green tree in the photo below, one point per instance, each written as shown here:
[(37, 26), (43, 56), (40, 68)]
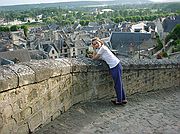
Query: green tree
[(159, 43), (174, 34), (82, 22), (14, 28), (4, 29), (25, 28)]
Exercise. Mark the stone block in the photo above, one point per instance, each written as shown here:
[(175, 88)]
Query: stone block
[(26, 113), (78, 65), (56, 114), (18, 105), (46, 111), (66, 94), (67, 104), (97, 66), (8, 79), (33, 94), (61, 66), (17, 117), (46, 121), (25, 74), (79, 98), (102, 91), (37, 105), (23, 129), (85, 96), (35, 121), (52, 109), (79, 88), (2, 122), (54, 82), (9, 127), (41, 88), (7, 113), (42, 68)]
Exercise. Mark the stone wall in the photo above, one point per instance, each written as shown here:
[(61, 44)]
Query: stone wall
[(34, 93)]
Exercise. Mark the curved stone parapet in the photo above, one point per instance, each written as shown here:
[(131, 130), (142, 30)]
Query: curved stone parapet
[(34, 93)]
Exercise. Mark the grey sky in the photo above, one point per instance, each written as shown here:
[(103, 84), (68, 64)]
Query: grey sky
[(165, 0), (17, 2)]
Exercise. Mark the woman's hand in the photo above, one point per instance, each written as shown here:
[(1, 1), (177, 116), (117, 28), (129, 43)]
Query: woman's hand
[(95, 56), (90, 55)]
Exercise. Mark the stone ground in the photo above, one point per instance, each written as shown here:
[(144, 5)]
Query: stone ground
[(155, 112)]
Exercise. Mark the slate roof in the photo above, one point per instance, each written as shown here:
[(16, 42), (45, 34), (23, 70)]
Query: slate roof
[(87, 28), (5, 61), (53, 27), (5, 35), (121, 41), (38, 54), (170, 22), (22, 55), (152, 25), (47, 47)]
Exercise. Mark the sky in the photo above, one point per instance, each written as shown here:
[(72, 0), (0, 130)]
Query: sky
[(165, 0), (18, 2)]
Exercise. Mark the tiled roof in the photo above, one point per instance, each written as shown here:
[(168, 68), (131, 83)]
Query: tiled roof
[(170, 23), (122, 40), (37, 54), (22, 55)]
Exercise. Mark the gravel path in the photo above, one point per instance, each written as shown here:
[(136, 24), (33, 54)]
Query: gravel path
[(155, 112)]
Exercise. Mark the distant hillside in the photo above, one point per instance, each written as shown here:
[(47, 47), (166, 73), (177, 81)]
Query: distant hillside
[(132, 1), (73, 4)]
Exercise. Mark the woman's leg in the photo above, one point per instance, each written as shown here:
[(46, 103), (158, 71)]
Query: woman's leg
[(116, 73)]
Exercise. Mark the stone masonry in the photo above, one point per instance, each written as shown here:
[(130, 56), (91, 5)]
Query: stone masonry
[(154, 112), (34, 93)]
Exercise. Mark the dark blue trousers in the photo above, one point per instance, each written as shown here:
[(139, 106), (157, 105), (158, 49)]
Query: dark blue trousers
[(116, 73)]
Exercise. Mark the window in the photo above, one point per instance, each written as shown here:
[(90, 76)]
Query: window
[(64, 45), (52, 51)]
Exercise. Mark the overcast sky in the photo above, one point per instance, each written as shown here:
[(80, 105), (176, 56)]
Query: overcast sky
[(17, 2)]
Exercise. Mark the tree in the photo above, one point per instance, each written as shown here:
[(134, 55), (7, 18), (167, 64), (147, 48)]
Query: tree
[(14, 28), (83, 22), (160, 44), (174, 34), (4, 29), (25, 28)]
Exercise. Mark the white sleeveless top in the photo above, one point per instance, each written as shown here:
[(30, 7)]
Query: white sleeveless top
[(107, 56)]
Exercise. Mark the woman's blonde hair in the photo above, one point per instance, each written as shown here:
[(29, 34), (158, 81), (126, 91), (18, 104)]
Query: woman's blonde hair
[(97, 39)]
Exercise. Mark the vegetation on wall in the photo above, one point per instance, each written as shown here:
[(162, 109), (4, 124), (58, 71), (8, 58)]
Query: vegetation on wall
[(159, 43), (175, 35)]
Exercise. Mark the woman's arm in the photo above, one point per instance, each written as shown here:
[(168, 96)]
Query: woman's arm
[(95, 56)]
